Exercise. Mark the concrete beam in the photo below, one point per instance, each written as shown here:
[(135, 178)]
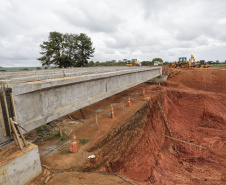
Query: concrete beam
[(41, 98)]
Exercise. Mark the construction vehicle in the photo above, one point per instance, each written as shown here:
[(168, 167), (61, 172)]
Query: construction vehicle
[(190, 63), (174, 64), (133, 62), (204, 64), (181, 63)]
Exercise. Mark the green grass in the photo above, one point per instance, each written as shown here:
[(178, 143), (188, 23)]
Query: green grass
[(53, 137), (64, 152), (218, 65), (38, 130), (83, 140), (62, 139)]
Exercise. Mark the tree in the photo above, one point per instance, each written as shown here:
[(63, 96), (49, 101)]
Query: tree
[(85, 50), (66, 50), (166, 63), (145, 63), (90, 64), (97, 63)]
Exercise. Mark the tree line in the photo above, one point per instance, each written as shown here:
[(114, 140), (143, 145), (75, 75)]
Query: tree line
[(121, 62)]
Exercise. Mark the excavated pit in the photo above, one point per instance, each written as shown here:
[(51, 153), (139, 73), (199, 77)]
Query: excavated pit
[(139, 150)]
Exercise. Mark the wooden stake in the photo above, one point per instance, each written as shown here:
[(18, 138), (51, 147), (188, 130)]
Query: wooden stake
[(97, 123), (69, 132), (7, 110), (2, 121), (47, 179), (14, 137), (61, 134), (16, 134), (21, 135), (14, 108), (165, 120), (186, 142), (71, 118)]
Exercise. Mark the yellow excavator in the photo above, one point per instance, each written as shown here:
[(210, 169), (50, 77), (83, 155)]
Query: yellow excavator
[(174, 64), (191, 62), (181, 63), (134, 62)]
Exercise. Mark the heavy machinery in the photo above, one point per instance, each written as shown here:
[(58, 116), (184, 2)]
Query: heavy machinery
[(190, 63), (133, 62), (204, 64), (183, 63), (174, 64)]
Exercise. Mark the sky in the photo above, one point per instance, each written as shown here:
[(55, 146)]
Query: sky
[(119, 29)]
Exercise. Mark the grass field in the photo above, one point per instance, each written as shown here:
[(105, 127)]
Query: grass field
[(218, 65)]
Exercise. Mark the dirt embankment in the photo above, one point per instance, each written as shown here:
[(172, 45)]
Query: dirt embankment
[(211, 79), (131, 149)]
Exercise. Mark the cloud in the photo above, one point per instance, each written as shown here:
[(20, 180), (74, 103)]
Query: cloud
[(142, 29)]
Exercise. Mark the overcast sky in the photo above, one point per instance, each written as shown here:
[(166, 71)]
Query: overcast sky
[(119, 29)]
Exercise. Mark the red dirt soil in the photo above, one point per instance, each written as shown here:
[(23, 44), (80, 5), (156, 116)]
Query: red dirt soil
[(133, 144)]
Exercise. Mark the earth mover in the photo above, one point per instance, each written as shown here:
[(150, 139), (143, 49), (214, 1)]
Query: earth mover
[(204, 64), (174, 64), (134, 62), (181, 63)]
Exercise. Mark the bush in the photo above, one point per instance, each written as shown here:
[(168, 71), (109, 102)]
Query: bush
[(83, 140)]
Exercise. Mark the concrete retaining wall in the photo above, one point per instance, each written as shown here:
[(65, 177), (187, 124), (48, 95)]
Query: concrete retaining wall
[(22, 168)]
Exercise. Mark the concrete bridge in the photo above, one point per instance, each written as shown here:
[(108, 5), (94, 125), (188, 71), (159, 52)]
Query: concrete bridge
[(42, 96)]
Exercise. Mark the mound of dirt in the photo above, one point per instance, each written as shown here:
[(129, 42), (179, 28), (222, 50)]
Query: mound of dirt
[(211, 80)]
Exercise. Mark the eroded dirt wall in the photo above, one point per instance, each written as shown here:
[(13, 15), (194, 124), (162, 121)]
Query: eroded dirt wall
[(131, 149)]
